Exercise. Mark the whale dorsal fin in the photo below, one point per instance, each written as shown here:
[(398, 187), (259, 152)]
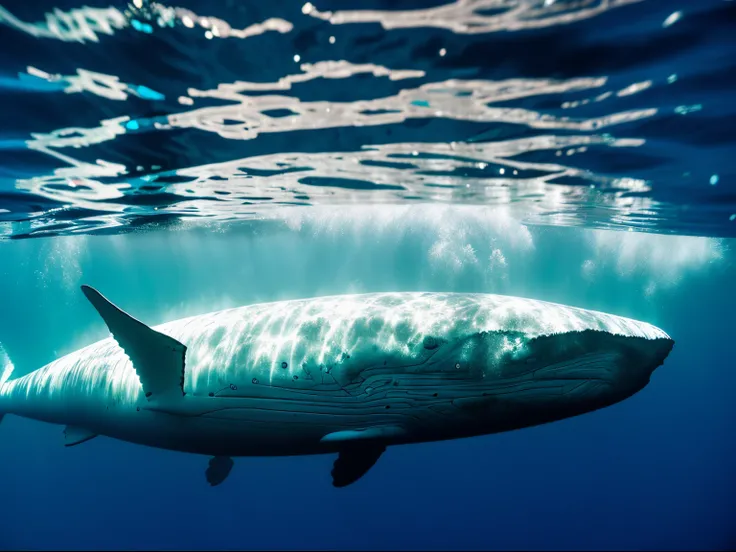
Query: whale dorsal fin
[(157, 358)]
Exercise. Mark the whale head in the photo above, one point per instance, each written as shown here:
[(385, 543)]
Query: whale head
[(522, 381)]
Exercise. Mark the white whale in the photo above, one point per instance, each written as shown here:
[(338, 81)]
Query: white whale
[(350, 374)]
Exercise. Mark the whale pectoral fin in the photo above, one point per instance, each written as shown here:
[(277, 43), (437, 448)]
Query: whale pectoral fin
[(218, 469), (157, 358), (354, 461), (366, 434), (359, 450), (74, 435)]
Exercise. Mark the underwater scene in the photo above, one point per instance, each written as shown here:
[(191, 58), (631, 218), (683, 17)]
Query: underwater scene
[(367, 275)]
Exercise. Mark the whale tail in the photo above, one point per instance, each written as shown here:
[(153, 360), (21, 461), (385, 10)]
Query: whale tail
[(6, 371)]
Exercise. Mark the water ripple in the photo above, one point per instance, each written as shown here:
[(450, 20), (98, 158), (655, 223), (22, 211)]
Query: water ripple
[(604, 114)]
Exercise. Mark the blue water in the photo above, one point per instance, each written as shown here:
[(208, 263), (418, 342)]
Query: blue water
[(191, 157)]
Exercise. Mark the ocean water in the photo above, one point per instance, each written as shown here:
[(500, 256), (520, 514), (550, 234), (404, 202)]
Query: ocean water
[(190, 157)]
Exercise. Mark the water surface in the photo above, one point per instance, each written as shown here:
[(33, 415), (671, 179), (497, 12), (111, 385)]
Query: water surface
[(595, 113)]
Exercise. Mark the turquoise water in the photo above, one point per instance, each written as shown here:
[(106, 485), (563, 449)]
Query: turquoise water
[(577, 153)]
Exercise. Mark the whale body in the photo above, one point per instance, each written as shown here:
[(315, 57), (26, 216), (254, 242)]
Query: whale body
[(347, 374)]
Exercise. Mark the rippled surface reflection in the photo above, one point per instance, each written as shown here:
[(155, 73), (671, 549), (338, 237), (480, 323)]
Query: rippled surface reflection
[(608, 114)]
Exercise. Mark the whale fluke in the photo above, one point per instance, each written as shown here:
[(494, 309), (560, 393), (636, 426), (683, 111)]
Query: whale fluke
[(157, 358), (6, 371), (354, 461), (218, 469)]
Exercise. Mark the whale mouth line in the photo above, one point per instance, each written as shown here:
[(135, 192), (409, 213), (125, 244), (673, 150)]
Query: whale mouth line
[(594, 366), (567, 384)]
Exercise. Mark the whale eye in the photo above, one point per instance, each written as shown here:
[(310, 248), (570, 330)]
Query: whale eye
[(457, 366), (284, 365), (430, 342)]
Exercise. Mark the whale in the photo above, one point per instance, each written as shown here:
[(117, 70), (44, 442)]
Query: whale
[(349, 375)]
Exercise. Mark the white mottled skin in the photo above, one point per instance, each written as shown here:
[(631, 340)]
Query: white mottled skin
[(275, 378)]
